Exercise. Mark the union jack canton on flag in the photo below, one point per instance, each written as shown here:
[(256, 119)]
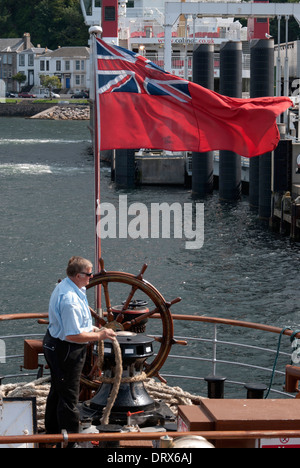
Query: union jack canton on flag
[(117, 73)]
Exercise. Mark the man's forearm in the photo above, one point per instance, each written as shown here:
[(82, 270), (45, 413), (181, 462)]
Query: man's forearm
[(84, 337), (93, 336)]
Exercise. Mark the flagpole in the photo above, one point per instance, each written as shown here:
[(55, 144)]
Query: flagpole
[(95, 31)]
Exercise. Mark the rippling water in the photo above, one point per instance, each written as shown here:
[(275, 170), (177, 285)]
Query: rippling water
[(244, 271)]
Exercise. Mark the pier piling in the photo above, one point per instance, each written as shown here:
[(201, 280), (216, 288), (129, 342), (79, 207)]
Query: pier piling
[(230, 180), (203, 164), (261, 84)]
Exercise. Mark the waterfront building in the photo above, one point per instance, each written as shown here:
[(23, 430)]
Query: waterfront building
[(70, 65), (141, 28), (27, 64), (9, 50)]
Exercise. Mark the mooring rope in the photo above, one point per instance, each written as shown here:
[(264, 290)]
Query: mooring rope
[(116, 383), (38, 389), (172, 396)]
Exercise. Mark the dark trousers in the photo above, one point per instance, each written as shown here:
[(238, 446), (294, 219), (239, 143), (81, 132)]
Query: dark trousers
[(66, 361)]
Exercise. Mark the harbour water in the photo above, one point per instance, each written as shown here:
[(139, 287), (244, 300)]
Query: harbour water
[(243, 271)]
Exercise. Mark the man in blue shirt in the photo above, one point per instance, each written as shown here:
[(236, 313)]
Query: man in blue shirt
[(70, 330)]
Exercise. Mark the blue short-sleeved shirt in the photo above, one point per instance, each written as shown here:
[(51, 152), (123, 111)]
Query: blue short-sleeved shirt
[(69, 312)]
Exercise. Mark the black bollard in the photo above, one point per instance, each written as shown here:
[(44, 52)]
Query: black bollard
[(215, 386), (255, 391)]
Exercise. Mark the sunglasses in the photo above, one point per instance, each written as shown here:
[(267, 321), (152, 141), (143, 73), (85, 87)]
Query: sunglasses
[(86, 274)]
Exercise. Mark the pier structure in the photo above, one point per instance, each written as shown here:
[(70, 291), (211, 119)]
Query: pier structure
[(273, 179), (263, 194), (285, 189), (173, 10)]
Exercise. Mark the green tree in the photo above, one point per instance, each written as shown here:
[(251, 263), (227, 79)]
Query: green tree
[(50, 82), (20, 78), (51, 23)]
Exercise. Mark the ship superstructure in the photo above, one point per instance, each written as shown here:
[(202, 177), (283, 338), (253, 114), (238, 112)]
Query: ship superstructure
[(141, 28)]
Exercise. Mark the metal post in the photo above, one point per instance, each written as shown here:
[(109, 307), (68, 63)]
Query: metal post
[(286, 61), (215, 341), (186, 59), (194, 29), (278, 63), (286, 66), (96, 31), (168, 47)]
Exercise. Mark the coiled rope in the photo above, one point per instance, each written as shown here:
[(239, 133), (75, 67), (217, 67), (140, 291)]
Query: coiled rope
[(172, 396), (38, 389), (116, 382)]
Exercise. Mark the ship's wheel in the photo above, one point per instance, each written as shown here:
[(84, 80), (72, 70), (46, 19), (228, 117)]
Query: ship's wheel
[(158, 308)]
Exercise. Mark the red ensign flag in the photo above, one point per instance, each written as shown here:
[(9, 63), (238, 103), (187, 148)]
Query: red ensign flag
[(142, 106)]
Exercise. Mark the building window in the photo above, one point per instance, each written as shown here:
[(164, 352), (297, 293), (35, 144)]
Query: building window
[(77, 65), (58, 65), (22, 60), (77, 80), (110, 13), (30, 60), (67, 65), (82, 65), (42, 65)]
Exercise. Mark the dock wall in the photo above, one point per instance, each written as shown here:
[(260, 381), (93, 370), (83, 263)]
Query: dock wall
[(31, 108), (23, 109), (285, 207), (170, 171)]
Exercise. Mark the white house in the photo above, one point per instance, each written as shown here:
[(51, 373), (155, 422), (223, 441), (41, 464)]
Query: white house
[(28, 64), (70, 64)]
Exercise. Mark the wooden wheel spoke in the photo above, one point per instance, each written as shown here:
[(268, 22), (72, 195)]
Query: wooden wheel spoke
[(160, 309), (129, 298), (110, 315), (100, 320), (128, 325)]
